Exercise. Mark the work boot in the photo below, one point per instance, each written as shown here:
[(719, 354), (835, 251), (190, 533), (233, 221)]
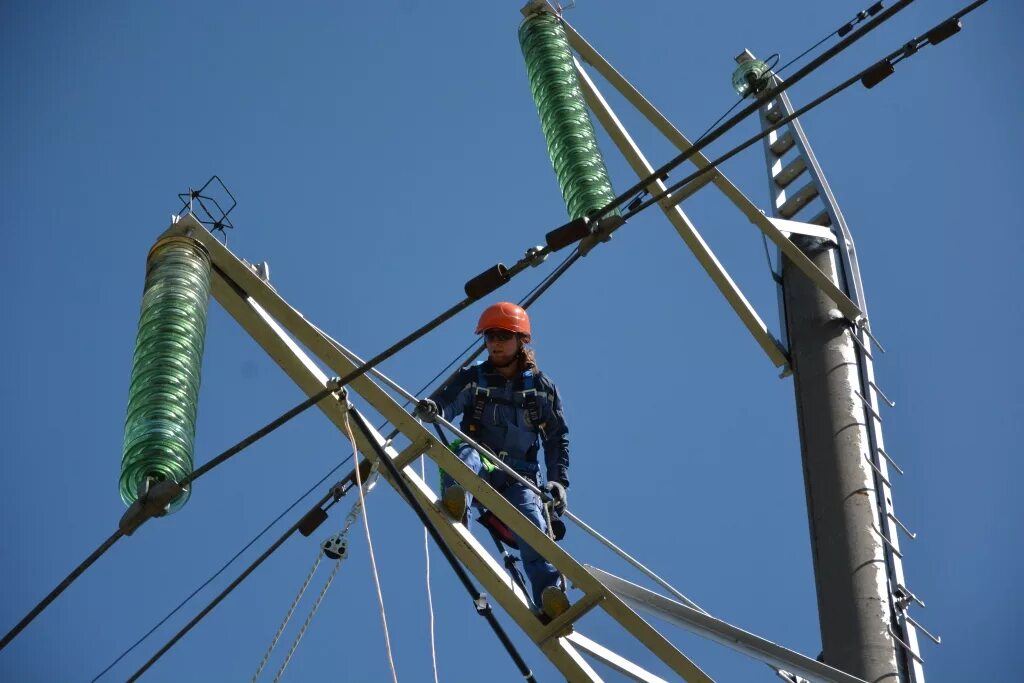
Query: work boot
[(553, 602), (454, 501)]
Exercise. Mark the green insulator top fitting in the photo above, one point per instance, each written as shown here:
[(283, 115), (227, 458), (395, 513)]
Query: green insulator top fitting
[(565, 121), (749, 75)]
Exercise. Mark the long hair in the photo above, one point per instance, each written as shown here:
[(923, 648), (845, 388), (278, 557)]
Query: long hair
[(527, 357)]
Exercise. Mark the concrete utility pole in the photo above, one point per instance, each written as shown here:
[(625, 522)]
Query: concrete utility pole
[(862, 598), (849, 558)]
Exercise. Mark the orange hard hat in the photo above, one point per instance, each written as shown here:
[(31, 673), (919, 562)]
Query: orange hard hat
[(504, 316)]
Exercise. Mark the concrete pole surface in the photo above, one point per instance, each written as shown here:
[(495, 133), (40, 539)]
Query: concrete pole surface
[(849, 560)]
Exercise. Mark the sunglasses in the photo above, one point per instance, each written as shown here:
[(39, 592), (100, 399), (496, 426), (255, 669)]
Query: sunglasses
[(498, 335)]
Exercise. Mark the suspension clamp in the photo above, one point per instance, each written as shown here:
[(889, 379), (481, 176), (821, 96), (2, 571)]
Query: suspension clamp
[(601, 231), (154, 501)]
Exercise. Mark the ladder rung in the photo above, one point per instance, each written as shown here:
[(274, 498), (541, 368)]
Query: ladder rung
[(901, 525), (905, 646), (867, 404), (823, 219), (891, 404), (785, 175), (780, 144), (888, 542), (860, 344), (574, 613), (788, 207), (891, 461), (878, 471), (935, 639)]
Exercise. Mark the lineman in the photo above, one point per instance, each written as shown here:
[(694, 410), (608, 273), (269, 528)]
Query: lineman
[(512, 409)]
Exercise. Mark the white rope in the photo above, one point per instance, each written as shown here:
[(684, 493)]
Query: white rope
[(309, 618), (430, 597), (349, 521), (287, 617), (373, 559)]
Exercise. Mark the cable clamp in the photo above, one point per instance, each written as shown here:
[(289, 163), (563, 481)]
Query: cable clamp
[(601, 231), (334, 385), (536, 255), (481, 604), (154, 501)]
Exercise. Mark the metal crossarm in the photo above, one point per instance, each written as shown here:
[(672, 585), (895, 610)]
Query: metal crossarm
[(591, 56), (722, 632), (269, 320), (681, 222)]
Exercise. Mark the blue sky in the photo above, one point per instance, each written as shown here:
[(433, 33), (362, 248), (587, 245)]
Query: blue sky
[(384, 153)]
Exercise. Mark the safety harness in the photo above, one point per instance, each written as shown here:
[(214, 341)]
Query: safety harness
[(483, 395)]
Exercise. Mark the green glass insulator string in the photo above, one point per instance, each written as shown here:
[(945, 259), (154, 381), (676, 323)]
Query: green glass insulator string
[(565, 121), (160, 429)]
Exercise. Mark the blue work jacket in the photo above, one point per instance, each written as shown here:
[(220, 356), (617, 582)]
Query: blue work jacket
[(504, 425)]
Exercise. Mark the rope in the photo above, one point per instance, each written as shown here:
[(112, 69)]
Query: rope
[(373, 559), (430, 596), (343, 535), (220, 571), (288, 616), (483, 608), (309, 618)]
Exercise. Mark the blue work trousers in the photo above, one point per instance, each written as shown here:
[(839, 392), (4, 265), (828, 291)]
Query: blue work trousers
[(540, 572)]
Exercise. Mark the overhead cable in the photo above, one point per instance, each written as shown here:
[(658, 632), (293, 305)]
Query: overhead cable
[(324, 504), (662, 172), (869, 77), (223, 568), (498, 275), (841, 31), (68, 580)]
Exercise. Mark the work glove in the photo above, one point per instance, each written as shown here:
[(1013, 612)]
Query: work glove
[(426, 410), (559, 496)]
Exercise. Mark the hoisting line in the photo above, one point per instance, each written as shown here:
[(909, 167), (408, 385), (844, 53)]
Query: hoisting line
[(430, 595), (480, 602), (369, 543), (349, 521), (288, 615)]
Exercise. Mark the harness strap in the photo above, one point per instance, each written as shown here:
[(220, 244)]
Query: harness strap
[(482, 397)]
